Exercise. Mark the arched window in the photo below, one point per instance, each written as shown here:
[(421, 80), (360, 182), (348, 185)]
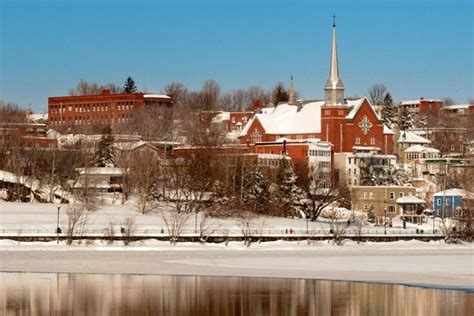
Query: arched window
[(256, 136)]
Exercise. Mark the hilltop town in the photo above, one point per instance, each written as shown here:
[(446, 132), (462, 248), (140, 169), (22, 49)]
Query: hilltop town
[(249, 160)]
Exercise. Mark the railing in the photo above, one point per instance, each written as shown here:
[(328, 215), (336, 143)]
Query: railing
[(151, 232)]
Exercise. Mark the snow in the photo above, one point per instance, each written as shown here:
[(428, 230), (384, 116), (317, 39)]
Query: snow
[(410, 200), (154, 95), (112, 171), (408, 102), (387, 130), (129, 146), (410, 137), (290, 119), (222, 116), (355, 107), (407, 262), (454, 192), (421, 149), (456, 107)]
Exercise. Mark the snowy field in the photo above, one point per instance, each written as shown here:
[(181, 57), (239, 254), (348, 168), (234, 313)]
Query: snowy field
[(36, 217)]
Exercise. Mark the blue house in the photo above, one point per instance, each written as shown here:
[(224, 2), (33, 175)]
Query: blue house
[(446, 202)]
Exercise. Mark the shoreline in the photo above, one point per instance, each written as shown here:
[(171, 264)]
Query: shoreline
[(446, 267)]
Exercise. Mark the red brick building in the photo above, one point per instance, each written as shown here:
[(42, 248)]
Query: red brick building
[(229, 121), (341, 122), (104, 109)]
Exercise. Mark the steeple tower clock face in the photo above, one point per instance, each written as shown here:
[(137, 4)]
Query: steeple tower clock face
[(365, 125)]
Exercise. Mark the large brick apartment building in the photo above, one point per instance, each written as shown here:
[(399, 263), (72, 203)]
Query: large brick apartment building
[(103, 109)]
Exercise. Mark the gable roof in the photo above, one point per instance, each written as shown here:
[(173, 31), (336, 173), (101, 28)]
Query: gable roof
[(356, 104), (420, 149), (410, 137), (289, 119)]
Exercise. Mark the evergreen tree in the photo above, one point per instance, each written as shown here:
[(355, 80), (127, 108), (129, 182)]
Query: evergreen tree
[(279, 94), (256, 192), (389, 112), (371, 215), (404, 119), (106, 150), (129, 86), (289, 195)]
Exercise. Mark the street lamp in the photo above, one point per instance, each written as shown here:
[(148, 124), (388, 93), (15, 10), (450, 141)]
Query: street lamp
[(58, 230)]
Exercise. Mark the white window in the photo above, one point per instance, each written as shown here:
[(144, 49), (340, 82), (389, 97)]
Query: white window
[(391, 208), (392, 195), (371, 195), (365, 195), (401, 194), (372, 140), (448, 201), (357, 140)]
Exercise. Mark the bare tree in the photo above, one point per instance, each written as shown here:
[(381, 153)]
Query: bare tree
[(93, 88), (109, 232), (377, 94), (77, 221), (177, 91), (321, 192), (448, 101), (338, 224), (175, 223), (127, 228), (206, 228), (209, 95), (142, 179)]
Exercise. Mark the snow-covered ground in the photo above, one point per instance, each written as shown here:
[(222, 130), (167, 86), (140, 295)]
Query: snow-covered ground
[(40, 218)]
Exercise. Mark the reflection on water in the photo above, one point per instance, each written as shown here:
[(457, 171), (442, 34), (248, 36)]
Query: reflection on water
[(87, 294)]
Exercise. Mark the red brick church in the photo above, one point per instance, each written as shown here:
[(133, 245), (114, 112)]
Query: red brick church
[(344, 123)]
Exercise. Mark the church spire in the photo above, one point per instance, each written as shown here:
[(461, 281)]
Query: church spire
[(334, 88), (292, 96)]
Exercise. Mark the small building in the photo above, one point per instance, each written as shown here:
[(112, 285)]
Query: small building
[(98, 179), (382, 200), (348, 164), (411, 208), (448, 202)]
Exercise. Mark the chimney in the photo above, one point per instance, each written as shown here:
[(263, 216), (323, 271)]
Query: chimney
[(284, 147), (105, 91)]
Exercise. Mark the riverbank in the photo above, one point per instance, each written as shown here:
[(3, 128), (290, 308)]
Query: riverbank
[(432, 264)]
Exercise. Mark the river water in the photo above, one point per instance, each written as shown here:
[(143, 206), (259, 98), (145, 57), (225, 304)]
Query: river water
[(102, 294)]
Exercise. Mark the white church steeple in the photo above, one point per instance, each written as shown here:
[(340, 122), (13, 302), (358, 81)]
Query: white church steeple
[(334, 88)]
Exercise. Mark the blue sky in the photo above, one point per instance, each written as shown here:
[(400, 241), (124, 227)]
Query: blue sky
[(416, 48)]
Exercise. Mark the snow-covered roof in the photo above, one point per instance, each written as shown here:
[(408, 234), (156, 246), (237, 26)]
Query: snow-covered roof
[(456, 106), (454, 192), (130, 145), (387, 130), (223, 116), (420, 149), (33, 117), (290, 119), (273, 156), (112, 171), (407, 102), (355, 104), (410, 137), (410, 200), (157, 96)]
